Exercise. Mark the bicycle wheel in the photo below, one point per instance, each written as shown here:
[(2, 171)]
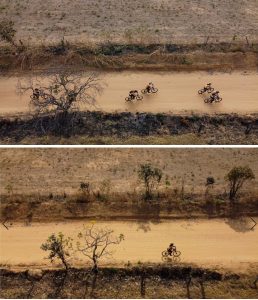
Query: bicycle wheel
[(176, 253), (128, 99), (139, 98), (207, 100), (200, 92), (176, 259), (164, 254), (144, 91), (218, 99)]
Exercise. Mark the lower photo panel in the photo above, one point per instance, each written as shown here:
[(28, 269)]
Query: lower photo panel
[(129, 223)]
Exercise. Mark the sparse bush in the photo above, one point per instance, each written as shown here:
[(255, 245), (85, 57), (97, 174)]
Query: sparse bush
[(7, 31), (59, 248), (210, 181), (85, 187), (150, 177)]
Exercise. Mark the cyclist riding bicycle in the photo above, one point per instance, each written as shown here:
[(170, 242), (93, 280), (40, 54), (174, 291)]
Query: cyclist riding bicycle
[(133, 94), (215, 95), (171, 249), (36, 93), (207, 87), (150, 87)]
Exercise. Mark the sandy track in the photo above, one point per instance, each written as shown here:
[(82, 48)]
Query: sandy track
[(177, 93), (210, 242)]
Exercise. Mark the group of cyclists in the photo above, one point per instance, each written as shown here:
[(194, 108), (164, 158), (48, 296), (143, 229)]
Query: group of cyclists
[(214, 97), (135, 95), (150, 88)]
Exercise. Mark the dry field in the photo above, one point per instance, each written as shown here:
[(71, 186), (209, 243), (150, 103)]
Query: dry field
[(177, 21), (62, 170)]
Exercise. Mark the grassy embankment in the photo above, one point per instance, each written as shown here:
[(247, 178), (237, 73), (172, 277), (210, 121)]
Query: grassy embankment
[(170, 205), (114, 56)]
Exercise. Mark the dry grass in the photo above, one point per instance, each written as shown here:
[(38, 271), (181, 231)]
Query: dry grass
[(219, 57), (47, 171), (127, 21)]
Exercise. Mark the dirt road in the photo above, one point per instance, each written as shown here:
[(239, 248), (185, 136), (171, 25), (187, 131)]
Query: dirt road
[(210, 242), (177, 93)]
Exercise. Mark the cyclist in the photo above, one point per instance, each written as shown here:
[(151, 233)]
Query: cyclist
[(171, 249), (214, 96), (208, 86), (133, 94), (150, 87), (36, 93)]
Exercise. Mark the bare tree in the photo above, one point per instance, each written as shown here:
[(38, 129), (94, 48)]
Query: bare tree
[(60, 96), (62, 92), (94, 243)]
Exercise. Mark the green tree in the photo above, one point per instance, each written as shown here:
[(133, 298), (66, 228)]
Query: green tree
[(236, 178), (150, 177), (59, 247)]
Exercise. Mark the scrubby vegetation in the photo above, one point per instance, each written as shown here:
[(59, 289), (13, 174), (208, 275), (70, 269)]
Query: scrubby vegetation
[(218, 57), (128, 128), (142, 281), (167, 201)]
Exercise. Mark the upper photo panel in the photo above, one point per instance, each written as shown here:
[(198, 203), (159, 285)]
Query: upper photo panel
[(129, 72)]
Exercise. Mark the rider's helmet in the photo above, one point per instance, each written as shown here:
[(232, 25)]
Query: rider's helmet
[(171, 245), (217, 92), (208, 83)]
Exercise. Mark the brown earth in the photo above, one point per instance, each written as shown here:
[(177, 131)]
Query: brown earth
[(54, 171), (44, 184), (141, 21)]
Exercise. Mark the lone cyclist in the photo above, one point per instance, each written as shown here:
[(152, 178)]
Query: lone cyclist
[(171, 249)]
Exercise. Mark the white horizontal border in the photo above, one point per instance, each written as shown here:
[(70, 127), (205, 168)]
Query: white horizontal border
[(130, 146)]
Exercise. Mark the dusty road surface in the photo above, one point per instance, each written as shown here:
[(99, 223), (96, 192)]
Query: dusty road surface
[(210, 242), (177, 93)]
